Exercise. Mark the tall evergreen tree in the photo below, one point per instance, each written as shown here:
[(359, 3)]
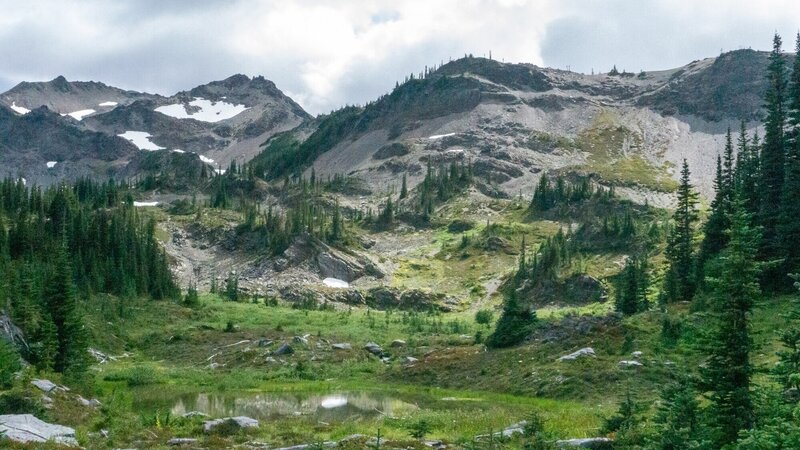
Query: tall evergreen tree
[(772, 160), (404, 188), (794, 94), (677, 418), (728, 370), (62, 304), (679, 280)]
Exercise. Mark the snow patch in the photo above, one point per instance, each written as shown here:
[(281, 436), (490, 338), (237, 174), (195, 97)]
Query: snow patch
[(220, 171), (177, 150), (140, 139), (139, 204), (439, 136), (336, 283), (79, 115), (208, 111), (108, 104), (333, 401), (19, 109), (51, 164), (206, 160)]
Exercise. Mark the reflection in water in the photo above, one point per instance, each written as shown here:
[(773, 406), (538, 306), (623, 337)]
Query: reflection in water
[(329, 408)]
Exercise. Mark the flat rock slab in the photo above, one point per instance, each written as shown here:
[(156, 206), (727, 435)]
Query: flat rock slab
[(241, 421), (181, 441), (27, 428), (342, 346), (44, 385), (598, 443), (587, 351)]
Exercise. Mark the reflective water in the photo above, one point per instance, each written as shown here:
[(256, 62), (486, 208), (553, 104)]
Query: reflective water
[(329, 407)]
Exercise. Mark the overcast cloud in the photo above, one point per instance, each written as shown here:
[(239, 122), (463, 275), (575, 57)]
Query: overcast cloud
[(329, 53)]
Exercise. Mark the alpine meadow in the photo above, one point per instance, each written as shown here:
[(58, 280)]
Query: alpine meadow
[(488, 255)]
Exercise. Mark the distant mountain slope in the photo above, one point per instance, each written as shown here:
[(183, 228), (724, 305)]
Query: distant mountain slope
[(515, 121), (222, 121), (66, 97), (43, 146)]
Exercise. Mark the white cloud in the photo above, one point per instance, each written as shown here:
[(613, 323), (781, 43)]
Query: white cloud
[(326, 54)]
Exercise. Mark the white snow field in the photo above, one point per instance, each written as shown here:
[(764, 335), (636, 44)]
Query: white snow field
[(336, 283), (206, 160), (439, 136), (79, 115), (209, 111), (51, 164), (140, 204), (140, 139), (108, 104), (19, 109)]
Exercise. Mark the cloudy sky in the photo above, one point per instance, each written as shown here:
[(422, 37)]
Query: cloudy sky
[(327, 53)]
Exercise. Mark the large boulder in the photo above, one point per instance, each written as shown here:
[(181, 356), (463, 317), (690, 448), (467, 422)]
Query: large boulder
[(383, 297), (597, 443), (582, 353), (374, 348), (27, 428), (240, 421), (11, 332), (45, 386), (284, 349)]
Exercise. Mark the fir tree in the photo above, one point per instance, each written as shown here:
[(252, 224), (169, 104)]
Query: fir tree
[(788, 369), (404, 188), (677, 417), (632, 287), (727, 373), (679, 280), (789, 226), (772, 162), (514, 324)]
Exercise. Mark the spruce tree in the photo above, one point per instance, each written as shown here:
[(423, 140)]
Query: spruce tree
[(514, 324), (772, 162), (788, 368), (789, 226), (727, 373), (677, 418), (679, 280), (404, 188)]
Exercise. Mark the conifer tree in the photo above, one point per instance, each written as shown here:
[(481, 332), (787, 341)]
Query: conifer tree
[(62, 304), (679, 280), (772, 161), (632, 287), (404, 188), (513, 325), (788, 368), (789, 226), (677, 417), (794, 94), (727, 373)]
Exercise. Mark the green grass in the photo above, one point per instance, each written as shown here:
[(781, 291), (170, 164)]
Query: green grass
[(605, 140)]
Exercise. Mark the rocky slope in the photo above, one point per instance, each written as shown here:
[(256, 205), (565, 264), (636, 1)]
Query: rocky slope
[(221, 121), (515, 121)]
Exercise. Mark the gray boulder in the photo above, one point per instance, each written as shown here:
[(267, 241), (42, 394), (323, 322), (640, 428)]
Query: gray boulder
[(584, 352), (284, 349), (626, 364), (342, 346), (409, 360), (398, 343), (11, 332), (241, 421), (374, 348), (598, 443), (27, 428), (181, 441), (44, 385)]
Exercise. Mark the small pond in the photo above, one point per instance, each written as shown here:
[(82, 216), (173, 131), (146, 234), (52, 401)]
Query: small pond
[(333, 407)]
